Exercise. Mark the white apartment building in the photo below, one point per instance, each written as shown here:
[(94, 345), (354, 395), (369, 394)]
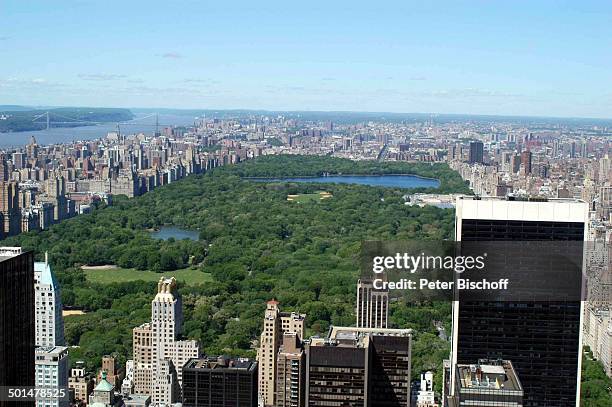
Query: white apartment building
[(51, 366), (48, 306)]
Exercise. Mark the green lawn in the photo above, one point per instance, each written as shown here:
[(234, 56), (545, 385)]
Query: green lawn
[(188, 276), (315, 197)]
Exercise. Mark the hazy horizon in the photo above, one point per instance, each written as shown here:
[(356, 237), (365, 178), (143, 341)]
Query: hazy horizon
[(193, 110), (526, 59)]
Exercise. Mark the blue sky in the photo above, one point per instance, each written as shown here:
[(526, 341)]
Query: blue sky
[(543, 58)]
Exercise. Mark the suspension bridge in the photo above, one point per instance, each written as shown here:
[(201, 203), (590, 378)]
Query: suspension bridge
[(53, 118)]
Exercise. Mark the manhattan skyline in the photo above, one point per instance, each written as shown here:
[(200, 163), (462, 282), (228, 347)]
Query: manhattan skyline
[(475, 57)]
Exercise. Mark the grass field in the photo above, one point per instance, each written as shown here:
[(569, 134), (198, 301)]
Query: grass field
[(119, 275), (301, 198)]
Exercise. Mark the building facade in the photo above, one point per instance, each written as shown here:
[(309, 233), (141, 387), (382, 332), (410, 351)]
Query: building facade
[(80, 382), (159, 353), (357, 367), (52, 372), (541, 339), (372, 305), (48, 303), (17, 339), (276, 323), (220, 381), (291, 372)]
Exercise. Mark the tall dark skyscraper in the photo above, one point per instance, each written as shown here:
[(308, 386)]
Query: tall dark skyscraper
[(212, 382), (542, 339), (359, 367), (476, 152), (526, 162), (9, 208), (16, 318)]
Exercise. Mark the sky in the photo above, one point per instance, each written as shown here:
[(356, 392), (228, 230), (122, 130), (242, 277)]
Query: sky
[(535, 58)]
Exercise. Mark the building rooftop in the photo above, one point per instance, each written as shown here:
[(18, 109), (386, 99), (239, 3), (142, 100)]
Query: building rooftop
[(517, 198), (221, 362), (104, 385), (8, 252), (550, 210), (350, 332), (491, 375), (46, 275), (51, 351)]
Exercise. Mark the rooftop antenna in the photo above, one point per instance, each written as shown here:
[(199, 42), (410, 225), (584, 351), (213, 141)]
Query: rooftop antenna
[(156, 124)]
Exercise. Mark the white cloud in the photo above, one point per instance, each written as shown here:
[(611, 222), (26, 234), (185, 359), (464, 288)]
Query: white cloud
[(171, 55), (101, 77)]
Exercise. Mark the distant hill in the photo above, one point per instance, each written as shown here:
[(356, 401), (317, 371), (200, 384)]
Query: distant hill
[(14, 108), (349, 117), (14, 118)]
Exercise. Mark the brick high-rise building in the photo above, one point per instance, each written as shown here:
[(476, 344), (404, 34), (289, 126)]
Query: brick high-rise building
[(276, 323), (526, 158), (56, 190), (113, 374), (143, 359), (290, 372)]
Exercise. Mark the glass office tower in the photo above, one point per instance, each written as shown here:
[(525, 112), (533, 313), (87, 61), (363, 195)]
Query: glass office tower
[(16, 319), (542, 339)]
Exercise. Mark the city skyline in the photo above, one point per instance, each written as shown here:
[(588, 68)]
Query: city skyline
[(460, 58)]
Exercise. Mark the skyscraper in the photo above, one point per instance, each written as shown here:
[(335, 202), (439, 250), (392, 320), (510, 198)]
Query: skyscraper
[(159, 354), (276, 323), (476, 152), (143, 359), (526, 162), (9, 208), (359, 367), (372, 305), (48, 303), (220, 381), (541, 339), (16, 318), (56, 190), (290, 372)]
